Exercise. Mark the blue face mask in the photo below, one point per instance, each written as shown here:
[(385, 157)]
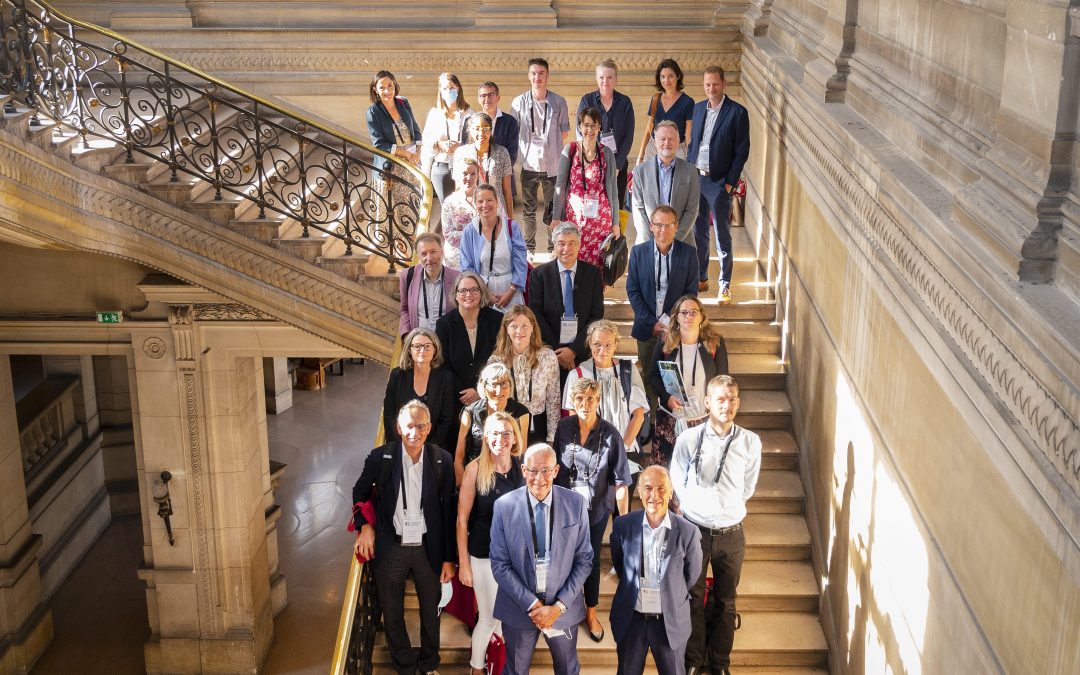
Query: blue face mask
[(450, 95)]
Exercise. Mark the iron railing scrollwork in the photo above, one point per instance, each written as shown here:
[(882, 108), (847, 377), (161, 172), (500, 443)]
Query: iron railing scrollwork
[(104, 86)]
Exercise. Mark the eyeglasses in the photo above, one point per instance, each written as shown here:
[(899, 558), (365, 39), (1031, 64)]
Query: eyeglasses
[(422, 347), (607, 346), (488, 95), (689, 313), (482, 129), (505, 435), (547, 471), (590, 126), (663, 225), (468, 291)]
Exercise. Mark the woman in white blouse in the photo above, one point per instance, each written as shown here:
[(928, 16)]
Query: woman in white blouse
[(535, 369), (441, 131), (622, 391)]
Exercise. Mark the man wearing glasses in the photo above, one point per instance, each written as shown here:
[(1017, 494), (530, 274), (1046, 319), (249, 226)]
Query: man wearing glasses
[(715, 469), (540, 576), (426, 288), (661, 271), (504, 130), (413, 533)]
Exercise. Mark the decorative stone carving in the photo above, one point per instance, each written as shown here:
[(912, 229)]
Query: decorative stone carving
[(229, 311), (180, 318), (154, 347), (205, 585)]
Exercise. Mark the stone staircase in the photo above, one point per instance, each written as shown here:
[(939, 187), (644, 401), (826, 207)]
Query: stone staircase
[(778, 593)]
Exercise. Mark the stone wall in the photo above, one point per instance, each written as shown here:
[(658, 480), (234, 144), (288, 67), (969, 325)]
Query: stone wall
[(935, 391)]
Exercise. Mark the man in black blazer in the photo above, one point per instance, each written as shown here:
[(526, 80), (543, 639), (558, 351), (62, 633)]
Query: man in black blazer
[(561, 327), (661, 271), (504, 130), (413, 533), (719, 147)]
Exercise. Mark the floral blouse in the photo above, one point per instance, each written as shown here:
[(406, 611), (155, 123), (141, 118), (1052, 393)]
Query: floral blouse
[(457, 213), (538, 388), (493, 168)]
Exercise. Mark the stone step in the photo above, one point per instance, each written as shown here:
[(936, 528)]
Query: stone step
[(752, 371), (765, 586), (740, 337), (264, 229), (776, 639), (351, 267), (177, 193), (306, 248), (133, 174), (764, 410), (95, 154), (221, 212), (779, 451), (17, 119)]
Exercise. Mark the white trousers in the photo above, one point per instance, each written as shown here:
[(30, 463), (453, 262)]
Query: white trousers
[(485, 588)]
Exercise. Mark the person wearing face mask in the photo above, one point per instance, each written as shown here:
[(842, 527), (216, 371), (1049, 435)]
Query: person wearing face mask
[(535, 369), (666, 181), (585, 190), (425, 289), (442, 130), (616, 120), (420, 375), (495, 388), (493, 246), (492, 160), (458, 210)]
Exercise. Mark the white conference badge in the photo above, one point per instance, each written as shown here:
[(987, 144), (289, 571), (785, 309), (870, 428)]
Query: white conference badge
[(650, 599), (412, 529), (568, 330), (608, 139)]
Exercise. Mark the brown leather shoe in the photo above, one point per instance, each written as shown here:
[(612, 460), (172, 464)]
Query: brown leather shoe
[(702, 286)]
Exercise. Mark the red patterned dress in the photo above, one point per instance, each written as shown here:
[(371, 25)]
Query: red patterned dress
[(590, 185)]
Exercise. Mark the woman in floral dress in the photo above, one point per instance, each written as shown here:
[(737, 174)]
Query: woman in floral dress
[(585, 190), (458, 210)]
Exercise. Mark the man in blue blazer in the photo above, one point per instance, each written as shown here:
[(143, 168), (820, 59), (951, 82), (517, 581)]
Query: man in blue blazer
[(677, 265), (657, 557), (413, 534), (540, 558), (719, 147)]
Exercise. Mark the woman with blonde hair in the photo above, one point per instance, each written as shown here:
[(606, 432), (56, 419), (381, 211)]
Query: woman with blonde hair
[(441, 130), (699, 353), (495, 389), (494, 473), (419, 375), (535, 369)]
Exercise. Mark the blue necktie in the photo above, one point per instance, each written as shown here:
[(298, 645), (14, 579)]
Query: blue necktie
[(541, 530), (568, 295)]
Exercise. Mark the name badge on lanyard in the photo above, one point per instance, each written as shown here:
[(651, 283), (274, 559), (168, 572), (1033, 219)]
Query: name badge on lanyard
[(541, 576), (591, 207), (608, 139), (650, 599), (568, 330), (412, 529)]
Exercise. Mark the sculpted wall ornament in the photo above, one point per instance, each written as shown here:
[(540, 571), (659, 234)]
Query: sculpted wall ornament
[(205, 592), (229, 311), (154, 347), (1047, 422)]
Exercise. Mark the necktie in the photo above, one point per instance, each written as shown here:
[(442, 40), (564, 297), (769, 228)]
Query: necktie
[(568, 295), (541, 530)]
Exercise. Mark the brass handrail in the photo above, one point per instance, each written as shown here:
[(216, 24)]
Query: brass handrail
[(356, 571), (281, 160)]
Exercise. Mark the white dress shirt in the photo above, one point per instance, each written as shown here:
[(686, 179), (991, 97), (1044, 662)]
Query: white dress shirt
[(414, 490), (706, 499), (655, 542)]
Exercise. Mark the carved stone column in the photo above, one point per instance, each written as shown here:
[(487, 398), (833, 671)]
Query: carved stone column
[(829, 71), (278, 384), (517, 13), (25, 622), (201, 416)]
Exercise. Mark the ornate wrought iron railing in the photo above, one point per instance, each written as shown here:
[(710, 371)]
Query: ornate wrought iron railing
[(105, 86), (359, 624)]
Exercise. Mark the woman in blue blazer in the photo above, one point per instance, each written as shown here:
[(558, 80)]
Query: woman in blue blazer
[(393, 129), (504, 269)]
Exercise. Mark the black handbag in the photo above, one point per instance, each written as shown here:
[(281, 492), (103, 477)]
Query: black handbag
[(616, 256)]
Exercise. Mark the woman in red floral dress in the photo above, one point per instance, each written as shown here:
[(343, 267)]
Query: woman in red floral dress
[(585, 190)]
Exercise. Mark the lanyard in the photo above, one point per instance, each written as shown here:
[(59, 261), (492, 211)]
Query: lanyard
[(723, 457), (584, 176), (693, 373), (589, 473), (660, 270), (491, 257), (532, 526), (529, 371), (532, 115), (671, 185), (423, 292), (663, 550)]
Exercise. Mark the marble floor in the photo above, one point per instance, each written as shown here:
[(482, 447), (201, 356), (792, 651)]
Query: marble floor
[(100, 611)]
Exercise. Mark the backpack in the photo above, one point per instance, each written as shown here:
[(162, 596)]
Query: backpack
[(626, 380)]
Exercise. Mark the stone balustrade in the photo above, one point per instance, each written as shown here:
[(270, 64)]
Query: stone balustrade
[(46, 419)]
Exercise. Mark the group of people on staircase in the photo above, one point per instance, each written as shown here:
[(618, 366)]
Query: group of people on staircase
[(509, 418)]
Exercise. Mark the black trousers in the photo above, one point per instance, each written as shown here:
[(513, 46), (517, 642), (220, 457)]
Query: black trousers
[(620, 185), (395, 563), (592, 582), (647, 633), (713, 623)]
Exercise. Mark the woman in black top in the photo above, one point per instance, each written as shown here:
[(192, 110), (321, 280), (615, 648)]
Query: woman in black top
[(494, 473), (420, 375), (468, 335), (699, 353), (495, 388), (592, 462)]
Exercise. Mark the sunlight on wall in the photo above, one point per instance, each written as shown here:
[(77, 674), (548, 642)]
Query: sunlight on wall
[(887, 562)]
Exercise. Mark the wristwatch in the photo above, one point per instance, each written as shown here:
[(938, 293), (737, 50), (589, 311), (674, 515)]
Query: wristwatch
[(513, 288), (562, 607)]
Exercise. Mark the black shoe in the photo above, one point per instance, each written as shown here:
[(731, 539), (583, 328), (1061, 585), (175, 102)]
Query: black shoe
[(696, 670)]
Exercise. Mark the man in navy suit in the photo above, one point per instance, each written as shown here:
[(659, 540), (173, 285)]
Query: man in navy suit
[(413, 533), (504, 128), (660, 272), (657, 557), (719, 147), (540, 558)]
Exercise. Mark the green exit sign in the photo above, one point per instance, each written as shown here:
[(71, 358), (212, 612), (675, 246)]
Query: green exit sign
[(110, 317)]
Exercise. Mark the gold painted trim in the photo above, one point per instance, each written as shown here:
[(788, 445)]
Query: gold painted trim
[(428, 190)]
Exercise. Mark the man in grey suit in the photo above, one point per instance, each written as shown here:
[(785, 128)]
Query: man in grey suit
[(657, 556), (666, 180), (540, 576)]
